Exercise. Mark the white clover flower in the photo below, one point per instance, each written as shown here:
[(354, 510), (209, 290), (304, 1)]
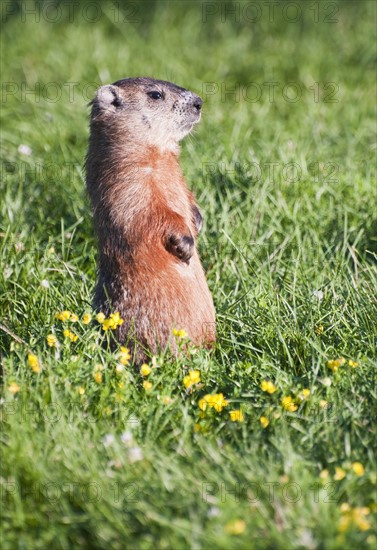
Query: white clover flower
[(24, 150), (126, 437), (108, 440), (135, 454)]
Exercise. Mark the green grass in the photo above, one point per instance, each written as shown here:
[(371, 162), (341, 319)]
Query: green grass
[(291, 263)]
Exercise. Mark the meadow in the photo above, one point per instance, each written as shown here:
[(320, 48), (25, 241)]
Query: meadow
[(267, 441)]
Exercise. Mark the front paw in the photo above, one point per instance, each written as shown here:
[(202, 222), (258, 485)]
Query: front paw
[(181, 246)]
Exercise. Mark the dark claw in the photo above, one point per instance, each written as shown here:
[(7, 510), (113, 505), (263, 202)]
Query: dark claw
[(182, 247), (198, 218)]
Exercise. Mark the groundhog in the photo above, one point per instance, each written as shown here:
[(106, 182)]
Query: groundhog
[(146, 219)]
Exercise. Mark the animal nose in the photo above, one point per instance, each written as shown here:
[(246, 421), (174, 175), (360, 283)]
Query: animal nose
[(198, 102)]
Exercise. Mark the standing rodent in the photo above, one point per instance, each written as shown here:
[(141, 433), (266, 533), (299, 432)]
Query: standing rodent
[(146, 219)]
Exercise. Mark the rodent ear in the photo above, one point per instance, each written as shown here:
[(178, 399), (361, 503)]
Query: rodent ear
[(109, 96)]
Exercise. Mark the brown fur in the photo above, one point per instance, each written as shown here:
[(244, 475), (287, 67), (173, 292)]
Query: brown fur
[(145, 217)]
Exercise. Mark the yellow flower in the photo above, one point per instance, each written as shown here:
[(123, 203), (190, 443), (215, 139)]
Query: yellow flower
[(339, 474), (323, 404), (81, 390), (52, 341), (86, 318), (268, 386), (236, 416), (304, 394), (344, 522), (116, 320), (324, 474), (71, 335), (203, 403), (216, 401), (236, 527), (355, 516), (145, 370), (166, 400), (63, 315), (13, 388), (98, 377), (334, 364), (353, 364), (106, 324), (147, 385), (74, 318), (359, 514), (193, 377), (100, 317), (345, 507), (319, 330), (124, 356), (289, 404), (264, 421), (33, 363), (112, 322), (358, 468), (180, 333)]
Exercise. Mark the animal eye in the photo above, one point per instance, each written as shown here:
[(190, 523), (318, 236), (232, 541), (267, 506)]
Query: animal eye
[(155, 95)]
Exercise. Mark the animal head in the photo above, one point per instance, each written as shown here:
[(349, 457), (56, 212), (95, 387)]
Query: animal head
[(153, 112)]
